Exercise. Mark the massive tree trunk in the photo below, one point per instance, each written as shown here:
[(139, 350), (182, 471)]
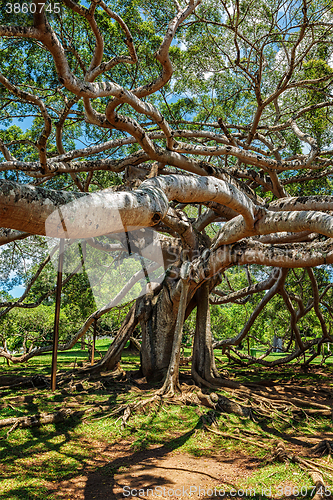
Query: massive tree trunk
[(158, 331), (157, 314)]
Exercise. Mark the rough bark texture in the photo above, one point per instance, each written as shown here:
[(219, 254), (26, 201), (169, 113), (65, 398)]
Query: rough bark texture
[(158, 330), (171, 382), (203, 362), (203, 368)]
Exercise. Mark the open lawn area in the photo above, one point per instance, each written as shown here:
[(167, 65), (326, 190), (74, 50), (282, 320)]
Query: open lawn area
[(111, 443)]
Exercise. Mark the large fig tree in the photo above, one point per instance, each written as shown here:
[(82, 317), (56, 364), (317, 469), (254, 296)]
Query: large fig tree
[(195, 135)]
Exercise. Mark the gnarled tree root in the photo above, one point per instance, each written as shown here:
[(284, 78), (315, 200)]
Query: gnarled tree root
[(216, 402), (319, 484), (238, 438), (41, 419), (324, 447), (310, 467)]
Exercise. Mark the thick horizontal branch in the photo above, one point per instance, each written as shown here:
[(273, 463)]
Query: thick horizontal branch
[(78, 215), (251, 252), (275, 222), (83, 215), (9, 235), (296, 255)]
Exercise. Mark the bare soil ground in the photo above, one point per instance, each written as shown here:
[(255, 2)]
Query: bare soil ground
[(120, 471)]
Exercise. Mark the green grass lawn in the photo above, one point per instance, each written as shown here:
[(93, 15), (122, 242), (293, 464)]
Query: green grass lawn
[(66, 360), (42, 363), (32, 460)]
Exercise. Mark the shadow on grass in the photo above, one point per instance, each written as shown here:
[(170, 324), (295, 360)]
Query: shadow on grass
[(33, 458)]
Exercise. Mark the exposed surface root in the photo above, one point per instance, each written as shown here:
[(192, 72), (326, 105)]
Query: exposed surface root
[(319, 484), (312, 468), (128, 409), (212, 401), (279, 453), (233, 436), (215, 402), (324, 447), (281, 405), (40, 419)]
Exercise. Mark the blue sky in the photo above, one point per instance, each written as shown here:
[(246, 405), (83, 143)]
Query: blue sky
[(17, 291)]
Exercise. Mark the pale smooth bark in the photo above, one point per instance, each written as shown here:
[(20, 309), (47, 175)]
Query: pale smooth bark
[(83, 215)]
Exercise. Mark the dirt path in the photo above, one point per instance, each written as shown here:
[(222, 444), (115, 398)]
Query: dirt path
[(120, 473)]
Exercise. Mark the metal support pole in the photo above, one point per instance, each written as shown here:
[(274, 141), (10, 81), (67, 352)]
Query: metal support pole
[(93, 343), (57, 316)]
